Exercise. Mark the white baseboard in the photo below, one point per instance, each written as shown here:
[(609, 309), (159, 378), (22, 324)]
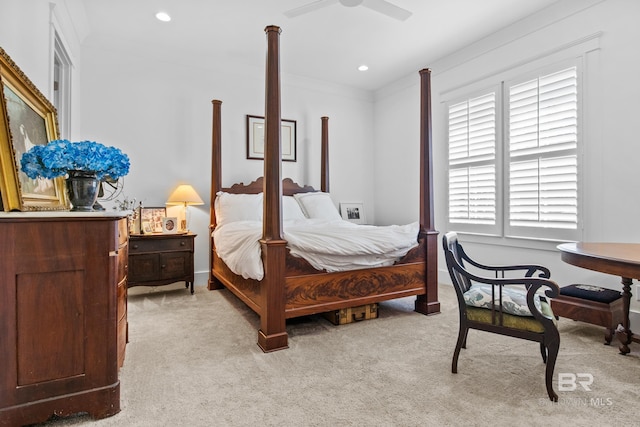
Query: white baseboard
[(634, 321), (201, 278)]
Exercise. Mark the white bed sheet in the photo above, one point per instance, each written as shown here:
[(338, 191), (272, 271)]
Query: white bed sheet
[(335, 245)]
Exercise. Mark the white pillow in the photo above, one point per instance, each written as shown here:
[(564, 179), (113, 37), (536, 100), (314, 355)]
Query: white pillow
[(317, 205), (291, 209), (237, 207)]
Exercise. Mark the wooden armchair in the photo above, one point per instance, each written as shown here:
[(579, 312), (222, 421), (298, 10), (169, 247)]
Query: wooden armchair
[(503, 305)]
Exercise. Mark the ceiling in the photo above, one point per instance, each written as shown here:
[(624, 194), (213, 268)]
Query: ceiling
[(328, 44)]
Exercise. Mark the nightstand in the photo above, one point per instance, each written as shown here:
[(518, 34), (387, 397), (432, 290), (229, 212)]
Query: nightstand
[(160, 259)]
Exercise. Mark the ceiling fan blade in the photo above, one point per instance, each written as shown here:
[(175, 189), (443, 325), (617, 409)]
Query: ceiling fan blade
[(388, 9), (318, 4)]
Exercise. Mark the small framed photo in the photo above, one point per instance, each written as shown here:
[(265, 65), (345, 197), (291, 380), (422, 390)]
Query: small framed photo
[(255, 138), (154, 217), (146, 227), (170, 225), (353, 212)]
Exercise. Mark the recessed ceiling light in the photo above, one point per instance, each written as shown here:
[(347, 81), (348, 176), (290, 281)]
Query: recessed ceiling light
[(163, 16), (363, 68)]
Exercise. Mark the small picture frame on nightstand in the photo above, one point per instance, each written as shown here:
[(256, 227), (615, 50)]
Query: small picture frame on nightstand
[(154, 216), (146, 227), (169, 225)]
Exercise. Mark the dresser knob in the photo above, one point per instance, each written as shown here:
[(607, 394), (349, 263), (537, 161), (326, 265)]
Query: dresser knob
[(135, 246), (182, 243)]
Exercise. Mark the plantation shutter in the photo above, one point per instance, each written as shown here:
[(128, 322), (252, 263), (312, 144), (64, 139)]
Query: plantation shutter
[(472, 154), (543, 141)]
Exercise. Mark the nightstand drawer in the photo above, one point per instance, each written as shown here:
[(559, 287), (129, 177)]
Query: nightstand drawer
[(158, 244)]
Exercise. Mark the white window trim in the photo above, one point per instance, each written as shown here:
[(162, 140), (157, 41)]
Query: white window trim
[(60, 51), (576, 50)]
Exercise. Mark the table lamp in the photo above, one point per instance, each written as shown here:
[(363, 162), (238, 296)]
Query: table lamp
[(184, 195)]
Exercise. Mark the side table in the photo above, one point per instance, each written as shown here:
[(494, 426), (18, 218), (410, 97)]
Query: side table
[(161, 259)]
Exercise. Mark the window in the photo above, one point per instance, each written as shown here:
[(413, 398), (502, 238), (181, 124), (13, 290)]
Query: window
[(62, 66), (522, 182), (472, 155), (543, 159)]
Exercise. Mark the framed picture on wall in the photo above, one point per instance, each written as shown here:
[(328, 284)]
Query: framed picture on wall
[(27, 119), (255, 138), (353, 212)]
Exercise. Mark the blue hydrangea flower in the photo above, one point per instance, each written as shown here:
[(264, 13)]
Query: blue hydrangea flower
[(60, 156)]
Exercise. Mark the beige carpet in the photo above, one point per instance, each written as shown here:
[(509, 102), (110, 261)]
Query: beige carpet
[(192, 360)]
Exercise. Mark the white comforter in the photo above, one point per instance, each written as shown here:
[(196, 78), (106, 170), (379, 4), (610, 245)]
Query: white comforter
[(335, 245)]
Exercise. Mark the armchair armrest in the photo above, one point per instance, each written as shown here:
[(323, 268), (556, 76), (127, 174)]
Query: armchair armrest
[(529, 269)]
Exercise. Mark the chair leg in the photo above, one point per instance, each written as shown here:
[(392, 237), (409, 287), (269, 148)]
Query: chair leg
[(552, 347), (608, 335), (462, 339), (543, 351)]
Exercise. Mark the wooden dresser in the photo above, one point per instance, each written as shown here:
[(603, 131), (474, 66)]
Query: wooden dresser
[(63, 314)]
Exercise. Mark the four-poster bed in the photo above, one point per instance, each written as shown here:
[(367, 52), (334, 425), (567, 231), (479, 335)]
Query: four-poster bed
[(291, 287)]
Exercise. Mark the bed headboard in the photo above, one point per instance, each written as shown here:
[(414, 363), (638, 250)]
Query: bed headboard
[(289, 187)]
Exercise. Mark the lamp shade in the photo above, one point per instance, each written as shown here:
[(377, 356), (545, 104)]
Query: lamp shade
[(184, 195)]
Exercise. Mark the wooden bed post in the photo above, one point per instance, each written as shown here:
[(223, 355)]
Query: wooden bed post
[(324, 156), (272, 334), (427, 304), (216, 183)]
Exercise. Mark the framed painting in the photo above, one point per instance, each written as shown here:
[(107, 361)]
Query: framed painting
[(154, 217), (255, 138), (353, 212), (27, 118)]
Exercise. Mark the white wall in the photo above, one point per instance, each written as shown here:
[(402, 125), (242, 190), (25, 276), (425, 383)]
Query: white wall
[(30, 53), (31, 46), (159, 113), (611, 148)]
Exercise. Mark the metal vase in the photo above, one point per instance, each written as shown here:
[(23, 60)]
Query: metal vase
[(82, 187)]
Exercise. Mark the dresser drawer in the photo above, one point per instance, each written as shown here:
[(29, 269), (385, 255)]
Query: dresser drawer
[(122, 300), (123, 231), (122, 340), (123, 261), (160, 245)]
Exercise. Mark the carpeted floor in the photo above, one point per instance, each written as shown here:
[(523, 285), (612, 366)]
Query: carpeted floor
[(192, 360)]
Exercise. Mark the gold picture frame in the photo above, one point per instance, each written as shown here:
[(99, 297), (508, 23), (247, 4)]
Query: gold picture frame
[(27, 118)]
